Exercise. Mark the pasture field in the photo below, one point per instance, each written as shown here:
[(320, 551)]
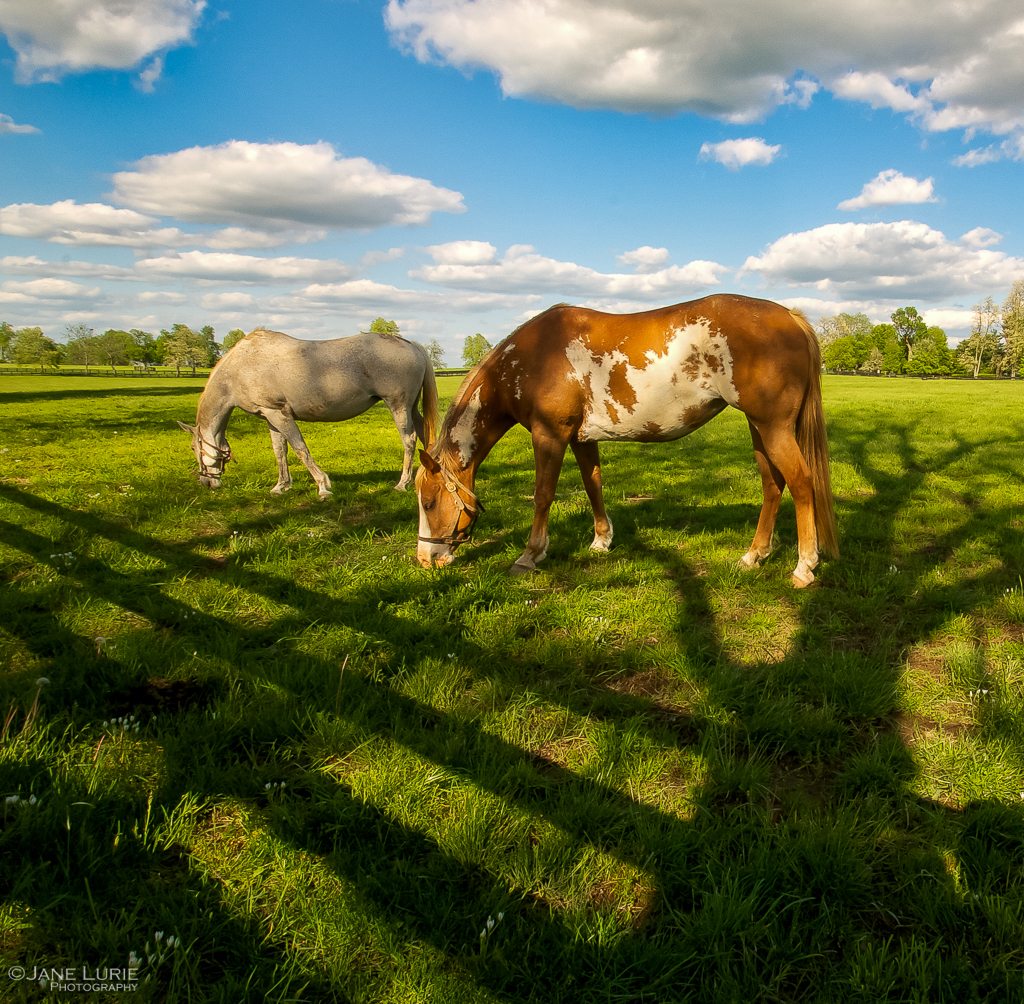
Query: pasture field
[(256, 726)]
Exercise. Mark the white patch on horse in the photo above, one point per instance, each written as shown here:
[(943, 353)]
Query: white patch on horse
[(463, 430), (695, 368)]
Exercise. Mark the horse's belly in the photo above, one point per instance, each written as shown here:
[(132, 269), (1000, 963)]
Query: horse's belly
[(653, 422)]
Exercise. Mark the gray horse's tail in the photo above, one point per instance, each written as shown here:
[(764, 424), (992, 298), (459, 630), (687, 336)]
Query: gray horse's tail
[(429, 404)]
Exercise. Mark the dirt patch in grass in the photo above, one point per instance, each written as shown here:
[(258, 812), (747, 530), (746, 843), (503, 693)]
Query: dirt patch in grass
[(635, 908), (158, 694), (914, 728), (928, 660)]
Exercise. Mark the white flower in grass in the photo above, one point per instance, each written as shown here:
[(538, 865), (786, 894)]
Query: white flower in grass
[(42, 681)]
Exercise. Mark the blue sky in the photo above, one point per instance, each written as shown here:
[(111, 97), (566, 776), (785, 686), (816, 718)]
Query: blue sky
[(459, 165)]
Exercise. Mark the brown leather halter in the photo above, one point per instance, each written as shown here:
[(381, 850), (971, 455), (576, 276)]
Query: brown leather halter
[(223, 454), (474, 508)]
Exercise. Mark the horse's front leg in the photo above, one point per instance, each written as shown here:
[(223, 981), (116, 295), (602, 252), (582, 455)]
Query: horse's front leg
[(285, 426), (284, 476), (588, 458), (548, 453)]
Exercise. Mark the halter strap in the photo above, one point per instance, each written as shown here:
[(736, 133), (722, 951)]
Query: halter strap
[(474, 508), (222, 453)]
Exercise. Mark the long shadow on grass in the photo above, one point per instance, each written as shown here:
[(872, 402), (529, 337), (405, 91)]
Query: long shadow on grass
[(694, 866), (26, 397)]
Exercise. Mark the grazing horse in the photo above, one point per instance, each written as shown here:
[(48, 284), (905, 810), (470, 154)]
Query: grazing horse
[(575, 377), (283, 379)]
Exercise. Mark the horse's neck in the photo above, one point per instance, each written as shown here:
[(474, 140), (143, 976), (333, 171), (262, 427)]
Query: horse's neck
[(212, 414), (478, 418)]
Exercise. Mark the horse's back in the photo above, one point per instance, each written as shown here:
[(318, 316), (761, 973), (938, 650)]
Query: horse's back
[(318, 380)]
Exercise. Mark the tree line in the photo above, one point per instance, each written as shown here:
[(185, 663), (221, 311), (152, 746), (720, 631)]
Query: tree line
[(181, 346), (908, 345)]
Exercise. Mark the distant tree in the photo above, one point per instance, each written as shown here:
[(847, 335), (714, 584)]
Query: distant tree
[(474, 349), (830, 328), (116, 347), (883, 338), (184, 347), (6, 337), (382, 327), (874, 361), (910, 329), (932, 354), (978, 350), (232, 338), (30, 345), (82, 344), (435, 352), (841, 354), (143, 347), (1013, 329), (210, 344)]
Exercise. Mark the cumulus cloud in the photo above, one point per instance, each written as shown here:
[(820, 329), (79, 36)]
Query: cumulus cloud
[(946, 63), (522, 270), (227, 301), (222, 266), (31, 265), (891, 188), (644, 259), (49, 289), (905, 260), (7, 124), (98, 225), (980, 237), (737, 153), (367, 293), (463, 253), (56, 37), (279, 186), (159, 296)]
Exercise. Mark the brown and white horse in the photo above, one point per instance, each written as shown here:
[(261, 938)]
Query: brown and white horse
[(575, 377)]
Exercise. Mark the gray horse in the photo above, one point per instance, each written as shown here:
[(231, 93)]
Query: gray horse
[(282, 379)]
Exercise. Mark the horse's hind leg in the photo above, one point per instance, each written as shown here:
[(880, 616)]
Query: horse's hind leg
[(772, 483), (783, 454), (589, 460), (284, 476), (409, 425), (284, 425)]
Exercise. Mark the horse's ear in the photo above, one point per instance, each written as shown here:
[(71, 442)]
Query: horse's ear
[(190, 429), (429, 462)]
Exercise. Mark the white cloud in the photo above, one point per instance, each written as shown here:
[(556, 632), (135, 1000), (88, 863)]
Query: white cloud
[(50, 289), (367, 293), (947, 63), (99, 225), (980, 237), (7, 124), (55, 37), (523, 271), (31, 265), (883, 260), (463, 253), (227, 301), (644, 259), (949, 318), (737, 153), (279, 186), (221, 266), (157, 296), (372, 258), (891, 188)]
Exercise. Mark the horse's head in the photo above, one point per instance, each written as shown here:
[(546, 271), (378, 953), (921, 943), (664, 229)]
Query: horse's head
[(211, 458), (448, 510)]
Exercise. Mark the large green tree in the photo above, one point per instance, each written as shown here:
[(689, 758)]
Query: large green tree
[(82, 345), (232, 338), (30, 345), (435, 352), (382, 327), (184, 347), (1013, 329), (6, 337), (980, 350), (910, 329), (474, 348)]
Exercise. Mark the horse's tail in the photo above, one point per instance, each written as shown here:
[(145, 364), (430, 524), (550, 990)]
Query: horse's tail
[(812, 439), (429, 404)]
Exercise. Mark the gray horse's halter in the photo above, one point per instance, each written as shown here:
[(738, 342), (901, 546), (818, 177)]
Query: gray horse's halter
[(223, 454), (474, 508)]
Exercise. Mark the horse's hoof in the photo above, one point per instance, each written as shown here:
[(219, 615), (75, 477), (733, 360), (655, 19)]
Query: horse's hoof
[(401, 488), (278, 491), (802, 583), (519, 569), (323, 495)]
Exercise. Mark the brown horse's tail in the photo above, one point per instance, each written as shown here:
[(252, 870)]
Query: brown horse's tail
[(812, 439), (429, 403)]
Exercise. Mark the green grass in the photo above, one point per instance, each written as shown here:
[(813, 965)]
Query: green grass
[(672, 780)]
